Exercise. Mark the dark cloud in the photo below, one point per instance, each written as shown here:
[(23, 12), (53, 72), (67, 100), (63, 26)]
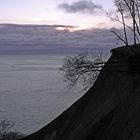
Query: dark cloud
[(82, 6)]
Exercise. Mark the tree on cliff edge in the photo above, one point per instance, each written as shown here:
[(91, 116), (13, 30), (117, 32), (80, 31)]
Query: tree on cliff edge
[(83, 67), (87, 69), (129, 17)]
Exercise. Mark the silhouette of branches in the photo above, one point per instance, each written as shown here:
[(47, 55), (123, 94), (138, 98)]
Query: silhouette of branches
[(82, 67)]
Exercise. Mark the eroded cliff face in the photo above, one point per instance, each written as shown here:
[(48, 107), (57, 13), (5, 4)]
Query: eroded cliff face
[(110, 110)]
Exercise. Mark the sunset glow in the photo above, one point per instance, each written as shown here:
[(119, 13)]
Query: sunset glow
[(74, 28)]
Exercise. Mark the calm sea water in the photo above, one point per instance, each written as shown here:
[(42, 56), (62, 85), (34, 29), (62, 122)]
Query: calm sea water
[(32, 90)]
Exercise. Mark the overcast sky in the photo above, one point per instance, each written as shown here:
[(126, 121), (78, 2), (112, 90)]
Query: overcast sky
[(64, 12)]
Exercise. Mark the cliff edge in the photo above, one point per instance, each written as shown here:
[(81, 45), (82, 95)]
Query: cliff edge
[(110, 110)]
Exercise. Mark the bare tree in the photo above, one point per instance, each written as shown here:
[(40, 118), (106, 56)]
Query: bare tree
[(129, 11), (121, 11), (5, 126), (83, 67), (6, 133)]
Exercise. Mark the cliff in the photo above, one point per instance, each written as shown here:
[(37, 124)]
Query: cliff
[(110, 110)]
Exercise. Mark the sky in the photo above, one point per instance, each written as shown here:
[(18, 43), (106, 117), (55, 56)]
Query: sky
[(62, 12)]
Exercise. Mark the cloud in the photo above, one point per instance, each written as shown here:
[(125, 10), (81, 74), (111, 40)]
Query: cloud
[(82, 6), (36, 39)]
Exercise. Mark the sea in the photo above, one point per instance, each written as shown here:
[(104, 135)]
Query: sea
[(33, 91)]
